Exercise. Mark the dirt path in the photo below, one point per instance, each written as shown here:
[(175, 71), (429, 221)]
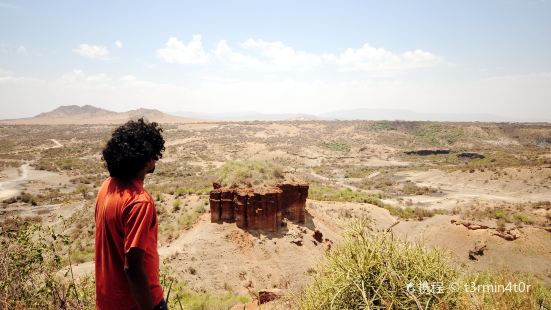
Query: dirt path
[(10, 188), (57, 144)]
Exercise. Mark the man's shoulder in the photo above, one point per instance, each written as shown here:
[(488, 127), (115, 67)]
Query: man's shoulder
[(128, 191), (142, 197)]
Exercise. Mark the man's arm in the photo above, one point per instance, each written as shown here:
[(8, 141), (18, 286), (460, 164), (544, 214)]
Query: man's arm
[(137, 279)]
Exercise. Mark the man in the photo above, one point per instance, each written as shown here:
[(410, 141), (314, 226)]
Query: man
[(127, 262)]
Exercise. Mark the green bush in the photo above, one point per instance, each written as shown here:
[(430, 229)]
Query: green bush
[(336, 146), (438, 134), (176, 205), (523, 218)]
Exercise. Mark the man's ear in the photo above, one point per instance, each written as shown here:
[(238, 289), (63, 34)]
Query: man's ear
[(150, 166)]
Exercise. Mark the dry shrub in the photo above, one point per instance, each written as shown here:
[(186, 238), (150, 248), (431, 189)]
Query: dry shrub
[(373, 270), (29, 277)]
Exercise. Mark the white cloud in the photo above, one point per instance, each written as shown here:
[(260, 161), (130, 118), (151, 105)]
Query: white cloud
[(92, 51), (225, 54), (21, 49), (128, 78), (78, 76), (7, 76), (175, 51), (280, 54), (372, 59), (266, 56), (118, 44)]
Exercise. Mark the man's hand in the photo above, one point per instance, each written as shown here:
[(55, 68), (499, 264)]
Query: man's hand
[(137, 279)]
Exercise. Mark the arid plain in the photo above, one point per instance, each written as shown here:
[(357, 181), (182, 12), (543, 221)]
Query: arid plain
[(480, 191)]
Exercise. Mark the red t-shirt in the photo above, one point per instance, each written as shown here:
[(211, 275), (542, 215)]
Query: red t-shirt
[(125, 218)]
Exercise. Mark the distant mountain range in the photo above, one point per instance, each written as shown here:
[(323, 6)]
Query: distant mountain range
[(408, 115), (247, 116), (355, 114), (74, 114)]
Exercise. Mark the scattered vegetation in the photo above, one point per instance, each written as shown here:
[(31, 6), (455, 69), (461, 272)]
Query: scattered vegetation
[(190, 217), (253, 173), (383, 125), (336, 146), (181, 297), (24, 197), (438, 134), (410, 188), (358, 172), (33, 251), (326, 193), (516, 213)]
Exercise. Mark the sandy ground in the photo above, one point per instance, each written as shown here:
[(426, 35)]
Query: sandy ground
[(215, 257), (530, 253), (461, 189), (17, 179)]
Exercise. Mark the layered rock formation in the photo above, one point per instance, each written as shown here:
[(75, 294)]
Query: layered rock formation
[(261, 209)]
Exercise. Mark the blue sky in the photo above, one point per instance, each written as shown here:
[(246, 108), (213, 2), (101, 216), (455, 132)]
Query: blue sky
[(277, 56)]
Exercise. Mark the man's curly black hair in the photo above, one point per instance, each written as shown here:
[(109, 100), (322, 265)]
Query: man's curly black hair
[(131, 146)]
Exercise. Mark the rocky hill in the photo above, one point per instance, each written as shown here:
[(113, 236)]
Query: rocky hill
[(87, 114)]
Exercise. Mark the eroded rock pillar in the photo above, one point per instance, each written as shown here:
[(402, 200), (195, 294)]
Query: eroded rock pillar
[(240, 209), (215, 206), (226, 204)]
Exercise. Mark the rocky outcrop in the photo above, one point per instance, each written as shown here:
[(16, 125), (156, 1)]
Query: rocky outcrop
[(509, 235), (478, 250), (261, 209), (469, 225)]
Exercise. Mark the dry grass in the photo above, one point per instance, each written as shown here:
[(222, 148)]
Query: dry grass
[(372, 271)]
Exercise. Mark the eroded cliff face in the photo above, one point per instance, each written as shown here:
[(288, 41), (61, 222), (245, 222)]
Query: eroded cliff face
[(261, 209)]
